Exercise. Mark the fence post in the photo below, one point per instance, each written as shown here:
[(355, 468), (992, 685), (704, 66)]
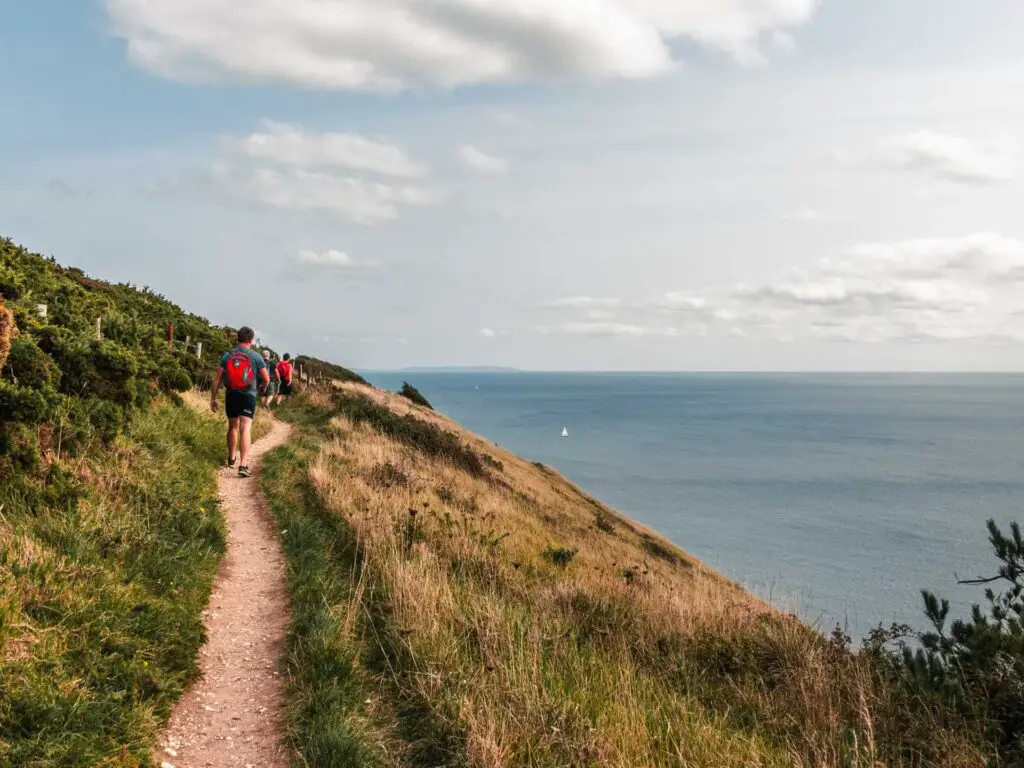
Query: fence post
[(170, 334), (199, 349), (99, 329), (188, 341)]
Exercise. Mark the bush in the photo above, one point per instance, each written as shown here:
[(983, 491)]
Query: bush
[(59, 377), (409, 392), (20, 404), (604, 521), (28, 366), (323, 370), (559, 556), (976, 666)]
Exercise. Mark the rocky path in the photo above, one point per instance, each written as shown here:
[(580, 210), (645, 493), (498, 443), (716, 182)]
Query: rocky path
[(232, 715)]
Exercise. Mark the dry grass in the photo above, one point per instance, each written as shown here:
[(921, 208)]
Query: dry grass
[(520, 622)]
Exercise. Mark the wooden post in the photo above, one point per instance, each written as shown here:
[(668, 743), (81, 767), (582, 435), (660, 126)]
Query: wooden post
[(99, 329), (41, 310), (170, 335), (199, 349), (188, 341)]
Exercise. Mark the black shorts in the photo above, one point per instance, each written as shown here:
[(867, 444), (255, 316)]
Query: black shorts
[(240, 403), (285, 388)]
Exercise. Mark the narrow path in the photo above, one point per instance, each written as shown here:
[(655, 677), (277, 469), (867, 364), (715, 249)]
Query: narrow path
[(232, 715)]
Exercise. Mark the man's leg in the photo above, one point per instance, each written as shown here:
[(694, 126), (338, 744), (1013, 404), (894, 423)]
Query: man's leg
[(245, 427), (232, 439)]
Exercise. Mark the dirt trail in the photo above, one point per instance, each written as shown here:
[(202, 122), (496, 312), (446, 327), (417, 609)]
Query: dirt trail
[(232, 715)]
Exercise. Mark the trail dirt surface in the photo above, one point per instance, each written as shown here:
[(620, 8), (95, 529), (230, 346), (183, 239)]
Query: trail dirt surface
[(232, 714)]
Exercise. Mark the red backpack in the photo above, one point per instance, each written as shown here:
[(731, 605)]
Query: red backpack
[(284, 371), (239, 371)]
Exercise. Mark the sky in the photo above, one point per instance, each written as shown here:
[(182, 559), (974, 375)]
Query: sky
[(584, 185)]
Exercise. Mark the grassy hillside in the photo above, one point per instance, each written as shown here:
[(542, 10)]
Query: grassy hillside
[(321, 369), (110, 533), (455, 605)]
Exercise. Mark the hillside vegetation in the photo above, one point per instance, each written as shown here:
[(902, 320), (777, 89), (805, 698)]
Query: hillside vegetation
[(457, 606), (110, 534)]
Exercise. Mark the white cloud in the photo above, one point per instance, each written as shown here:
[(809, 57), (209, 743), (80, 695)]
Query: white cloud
[(488, 333), (331, 174), (967, 288), (291, 145), (952, 158), (783, 41), (331, 259), (582, 302), (807, 213), (394, 44), (343, 197), (508, 118), (481, 161), (599, 329)]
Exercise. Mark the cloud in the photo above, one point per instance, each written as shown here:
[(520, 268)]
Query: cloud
[(783, 41), (508, 118), (292, 169), (488, 333), (582, 302), (481, 161), (966, 288), (389, 45), (605, 329), (949, 157), (330, 259), (347, 198), (808, 214), (291, 145)]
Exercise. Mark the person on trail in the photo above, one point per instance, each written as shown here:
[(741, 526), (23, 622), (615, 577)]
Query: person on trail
[(284, 376), (271, 391), (244, 373)]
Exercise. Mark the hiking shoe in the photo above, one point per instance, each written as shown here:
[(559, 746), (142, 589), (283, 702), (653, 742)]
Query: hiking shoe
[(231, 463), (244, 472)]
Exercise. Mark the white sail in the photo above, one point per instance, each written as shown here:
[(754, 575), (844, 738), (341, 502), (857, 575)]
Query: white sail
[(565, 432)]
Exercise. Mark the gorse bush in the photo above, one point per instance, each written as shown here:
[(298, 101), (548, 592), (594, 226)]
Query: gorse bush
[(410, 393), (98, 354), (324, 370)]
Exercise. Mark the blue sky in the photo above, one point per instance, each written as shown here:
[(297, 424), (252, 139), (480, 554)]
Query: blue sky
[(604, 184)]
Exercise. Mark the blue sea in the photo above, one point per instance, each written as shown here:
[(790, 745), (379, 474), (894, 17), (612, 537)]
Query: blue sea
[(836, 496)]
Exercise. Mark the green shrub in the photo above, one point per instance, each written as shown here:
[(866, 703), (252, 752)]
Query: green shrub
[(409, 392), (975, 666), (58, 375), (20, 404), (28, 366), (559, 556), (324, 370)]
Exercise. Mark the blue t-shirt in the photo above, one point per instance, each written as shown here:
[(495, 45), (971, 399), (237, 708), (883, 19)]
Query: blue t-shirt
[(258, 364)]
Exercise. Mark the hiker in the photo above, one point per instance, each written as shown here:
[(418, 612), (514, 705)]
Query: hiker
[(284, 376), (244, 373), (271, 391)]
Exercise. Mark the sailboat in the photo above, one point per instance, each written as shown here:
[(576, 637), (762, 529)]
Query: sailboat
[(565, 432)]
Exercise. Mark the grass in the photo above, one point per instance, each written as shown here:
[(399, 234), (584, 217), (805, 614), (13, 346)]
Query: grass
[(104, 571), (329, 718), (505, 618)]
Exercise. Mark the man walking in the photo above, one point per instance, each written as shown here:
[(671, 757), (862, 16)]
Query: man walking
[(244, 373), (271, 391), (284, 378)]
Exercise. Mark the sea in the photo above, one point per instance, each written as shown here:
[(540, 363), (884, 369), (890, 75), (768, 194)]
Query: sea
[(835, 496)]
